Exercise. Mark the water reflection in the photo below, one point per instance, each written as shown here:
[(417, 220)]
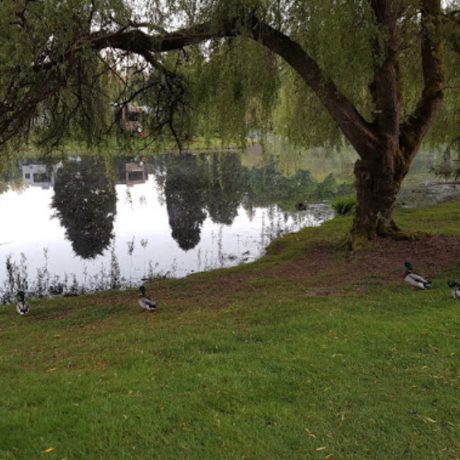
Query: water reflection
[(225, 190), (85, 203), (38, 174), (173, 214), (186, 192), (108, 225)]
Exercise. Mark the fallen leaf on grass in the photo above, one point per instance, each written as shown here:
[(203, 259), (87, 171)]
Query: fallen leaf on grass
[(49, 450), (321, 448)]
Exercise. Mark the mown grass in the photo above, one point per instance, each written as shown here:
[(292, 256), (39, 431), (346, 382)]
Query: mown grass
[(264, 371)]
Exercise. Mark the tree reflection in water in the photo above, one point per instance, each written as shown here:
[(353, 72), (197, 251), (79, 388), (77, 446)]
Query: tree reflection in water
[(218, 184), (219, 187), (85, 203), (185, 192), (225, 187)]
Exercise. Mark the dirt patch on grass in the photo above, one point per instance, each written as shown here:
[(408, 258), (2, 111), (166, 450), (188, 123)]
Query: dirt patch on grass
[(430, 255), (325, 268)]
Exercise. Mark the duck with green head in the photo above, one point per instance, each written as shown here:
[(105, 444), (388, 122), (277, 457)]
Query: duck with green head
[(145, 302), (455, 289), (22, 306), (415, 280)]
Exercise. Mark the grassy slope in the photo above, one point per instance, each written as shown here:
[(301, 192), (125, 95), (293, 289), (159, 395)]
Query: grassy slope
[(263, 371)]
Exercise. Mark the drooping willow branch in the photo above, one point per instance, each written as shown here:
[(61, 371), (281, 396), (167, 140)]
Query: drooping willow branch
[(365, 136)]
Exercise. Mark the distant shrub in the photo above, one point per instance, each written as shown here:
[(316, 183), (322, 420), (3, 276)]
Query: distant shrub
[(344, 205)]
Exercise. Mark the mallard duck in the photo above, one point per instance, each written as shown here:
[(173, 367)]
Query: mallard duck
[(22, 307), (301, 206), (415, 280), (144, 302), (455, 289)]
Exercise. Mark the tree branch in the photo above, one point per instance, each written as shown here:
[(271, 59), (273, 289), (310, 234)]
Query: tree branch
[(136, 41), (386, 85), (357, 130), (413, 131), (346, 116)]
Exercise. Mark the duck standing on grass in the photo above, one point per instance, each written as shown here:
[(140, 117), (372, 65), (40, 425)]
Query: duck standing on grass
[(455, 289), (22, 307), (144, 302), (416, 281)]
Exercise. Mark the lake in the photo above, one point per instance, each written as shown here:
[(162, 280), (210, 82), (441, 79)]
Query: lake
[(83, 224)]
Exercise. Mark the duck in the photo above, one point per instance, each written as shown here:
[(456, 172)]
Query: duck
[(144, 302), (415, 280), (22, 306), (301, 206), (455, 289)]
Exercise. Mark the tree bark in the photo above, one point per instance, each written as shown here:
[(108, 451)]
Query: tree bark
[(380, 171), (378, 182)]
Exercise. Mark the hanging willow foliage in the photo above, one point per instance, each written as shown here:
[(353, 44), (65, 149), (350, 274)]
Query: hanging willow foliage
[(65, 65), (234, 89)]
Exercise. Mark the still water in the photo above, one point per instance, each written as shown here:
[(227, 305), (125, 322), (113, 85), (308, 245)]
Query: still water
[(83, 224)]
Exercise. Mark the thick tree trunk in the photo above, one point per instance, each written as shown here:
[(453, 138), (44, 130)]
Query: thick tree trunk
[(381, 170), (378, 181)]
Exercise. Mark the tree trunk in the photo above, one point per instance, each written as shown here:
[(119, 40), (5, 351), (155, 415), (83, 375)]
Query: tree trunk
[(381, 169), (378, 181)]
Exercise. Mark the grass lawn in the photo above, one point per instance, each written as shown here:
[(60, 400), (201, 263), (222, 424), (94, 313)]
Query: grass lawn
[(302, 354)]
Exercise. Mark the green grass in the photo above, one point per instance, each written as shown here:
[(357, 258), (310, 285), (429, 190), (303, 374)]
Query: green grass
[(441, 219), (130, 146), (258, 371)]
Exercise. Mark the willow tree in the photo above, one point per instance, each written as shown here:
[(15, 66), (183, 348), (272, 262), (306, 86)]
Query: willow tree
[(374, 68)]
